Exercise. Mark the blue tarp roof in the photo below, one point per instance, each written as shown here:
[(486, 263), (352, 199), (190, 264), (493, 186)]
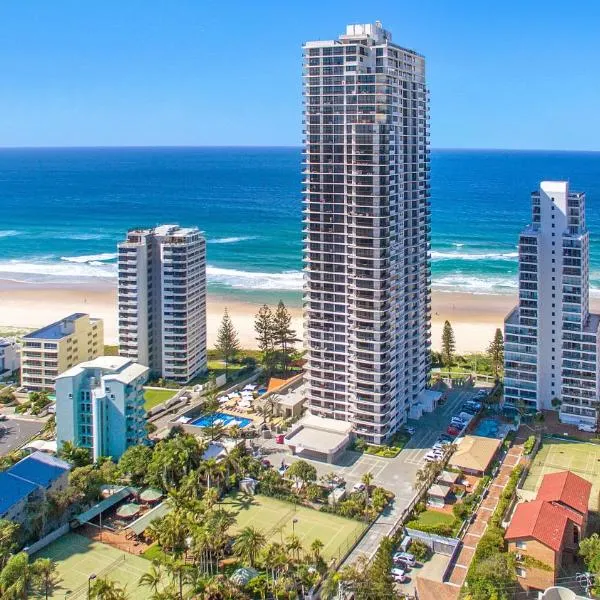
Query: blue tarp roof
[(37, 470), (40, 468), (13, 490)]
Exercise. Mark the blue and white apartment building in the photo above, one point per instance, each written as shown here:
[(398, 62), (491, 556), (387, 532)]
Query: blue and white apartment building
[(551, 338), (100, 405)]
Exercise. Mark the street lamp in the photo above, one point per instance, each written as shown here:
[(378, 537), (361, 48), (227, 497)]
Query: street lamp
[(91, 578), (294, 521)]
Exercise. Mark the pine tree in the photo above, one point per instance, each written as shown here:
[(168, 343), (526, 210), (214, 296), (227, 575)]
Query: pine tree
[(448, 343), (379, 576), (284, 335), (227, 343), (496, 351), (263, 325)]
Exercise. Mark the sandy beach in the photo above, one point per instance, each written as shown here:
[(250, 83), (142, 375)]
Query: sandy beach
[(473, 317)]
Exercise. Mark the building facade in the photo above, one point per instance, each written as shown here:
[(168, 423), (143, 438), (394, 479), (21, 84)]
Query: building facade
[(10, 356), (162, 301), (366, 230), (100, 406), (51, 350), (551, 338)]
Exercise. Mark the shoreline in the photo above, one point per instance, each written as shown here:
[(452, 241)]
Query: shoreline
[(474, 317)]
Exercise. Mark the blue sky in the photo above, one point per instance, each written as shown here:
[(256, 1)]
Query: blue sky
[(510, 74)]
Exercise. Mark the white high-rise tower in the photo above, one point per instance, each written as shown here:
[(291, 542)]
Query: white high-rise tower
[(551, 346), (162, 300), (366, 230)]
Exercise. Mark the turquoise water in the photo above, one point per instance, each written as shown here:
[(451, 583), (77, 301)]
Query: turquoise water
[(488, 427), (226, 420), (64, 210)]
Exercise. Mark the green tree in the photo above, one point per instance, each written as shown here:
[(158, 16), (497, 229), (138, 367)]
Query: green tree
[(448, 344), (379, 575), (16, 578), (496, 351), (248, 544), (78, 457), (228, 343), (492, 577), (284, 336), (589, 550), (134, 463), (302, 471), (9, 535), (264, 328), (45, 575), (152, 578), (316, 547), (173, 459), (104, 589)]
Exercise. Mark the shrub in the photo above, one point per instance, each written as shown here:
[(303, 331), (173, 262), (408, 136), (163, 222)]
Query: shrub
[(420, 550), (461, 510), (529, 444), (443, 529)]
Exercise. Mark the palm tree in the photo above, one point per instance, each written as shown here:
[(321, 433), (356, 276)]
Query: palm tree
[(212, 471), (152, 578), (259, 586), (248, 544), (367, 479), (294, 545), (178, 570), (44, 570), (16, 578), (316, 547), (104, 589)]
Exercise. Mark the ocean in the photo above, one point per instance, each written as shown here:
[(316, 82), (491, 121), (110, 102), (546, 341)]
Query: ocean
[(62, 212)]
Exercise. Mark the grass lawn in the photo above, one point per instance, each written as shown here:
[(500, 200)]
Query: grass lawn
[(581, 458), (275, 519), (433, 517), (77, 557), (154, 397)]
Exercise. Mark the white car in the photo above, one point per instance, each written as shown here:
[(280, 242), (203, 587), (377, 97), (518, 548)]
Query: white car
[(359, 487), (398, 575), (405, 557), (587, 427)]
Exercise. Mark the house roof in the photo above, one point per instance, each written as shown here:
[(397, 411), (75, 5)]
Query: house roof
[(439, 490), (35, 471), (541, 520), (475, 453), (567, 488), (448, 477)]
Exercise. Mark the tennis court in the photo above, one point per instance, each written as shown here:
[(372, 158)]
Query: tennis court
[(278, 519), (78, 557), (581, 458)]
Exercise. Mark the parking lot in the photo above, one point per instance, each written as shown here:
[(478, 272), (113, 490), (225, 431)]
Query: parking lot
[(14, 432), (395, 474)]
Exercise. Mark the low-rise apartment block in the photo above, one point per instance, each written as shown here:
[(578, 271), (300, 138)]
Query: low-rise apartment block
[(51, 350), (10, 356), (544, 533), (100, 406)]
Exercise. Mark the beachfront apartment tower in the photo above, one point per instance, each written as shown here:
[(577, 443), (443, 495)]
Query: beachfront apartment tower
[(162, 301), (366, 230), (551, 338), (100, 406), (51, 350)]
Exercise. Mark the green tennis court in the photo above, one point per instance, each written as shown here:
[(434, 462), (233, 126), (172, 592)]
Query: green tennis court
[(581, 458), (78, 557), (278, 519)]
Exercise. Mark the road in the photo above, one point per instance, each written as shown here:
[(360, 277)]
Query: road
[(14, 432)]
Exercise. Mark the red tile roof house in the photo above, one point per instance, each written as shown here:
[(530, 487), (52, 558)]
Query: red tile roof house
[(548, 529)]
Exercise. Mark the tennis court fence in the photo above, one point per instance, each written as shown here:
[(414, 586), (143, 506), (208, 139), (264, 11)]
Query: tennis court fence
[(82, 590)]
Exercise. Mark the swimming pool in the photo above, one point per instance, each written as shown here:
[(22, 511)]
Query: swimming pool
[(488, 428), (220, 418)]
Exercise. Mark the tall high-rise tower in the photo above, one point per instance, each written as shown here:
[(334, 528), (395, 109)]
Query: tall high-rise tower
[(162, 300), (366, 229), (551, 346)]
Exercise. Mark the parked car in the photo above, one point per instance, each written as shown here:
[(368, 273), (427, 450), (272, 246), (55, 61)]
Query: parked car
[(3, 418), (453, 431), (266, 463), (398, 575), (430, 457), (468, 409), (587, 427), (407, 557), (283, 468), (446, 438), (465, 417), (410, 430), (457, 422), (359, 487)]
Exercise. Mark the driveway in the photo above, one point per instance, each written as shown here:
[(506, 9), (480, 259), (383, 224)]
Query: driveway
[(15, 432)]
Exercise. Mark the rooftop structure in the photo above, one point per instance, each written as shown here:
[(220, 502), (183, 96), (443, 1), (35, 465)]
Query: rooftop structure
[(32, 476), (51, 350), (100, 405), (475, 454), (162, 300), (567, 489), (366, 230), (10, 356), (551, 338)]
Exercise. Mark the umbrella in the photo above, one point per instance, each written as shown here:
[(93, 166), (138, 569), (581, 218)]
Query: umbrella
[(128, 510), (150, 495)]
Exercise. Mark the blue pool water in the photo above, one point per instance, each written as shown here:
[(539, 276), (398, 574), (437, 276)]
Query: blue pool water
[(488, 428), (227, 420)]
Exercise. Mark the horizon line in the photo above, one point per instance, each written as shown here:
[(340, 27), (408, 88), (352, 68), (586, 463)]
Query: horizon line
[(275, 146)]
